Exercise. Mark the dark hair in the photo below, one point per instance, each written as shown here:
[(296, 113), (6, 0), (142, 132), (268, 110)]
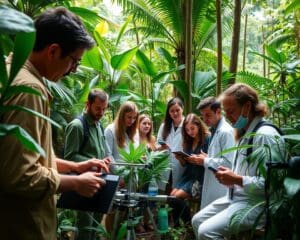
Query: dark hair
[(120, 128), (168, 120), (202, 134), (211, 102), (97, 93), (244, 93), (60, 26)]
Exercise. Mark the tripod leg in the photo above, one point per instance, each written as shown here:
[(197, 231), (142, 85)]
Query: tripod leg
[(157, 234), (116, 222)]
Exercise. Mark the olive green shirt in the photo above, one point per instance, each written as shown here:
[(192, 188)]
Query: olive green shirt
[(95, 145), (28, 181)]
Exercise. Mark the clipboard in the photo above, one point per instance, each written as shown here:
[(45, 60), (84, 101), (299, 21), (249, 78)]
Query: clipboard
[(101, 202)]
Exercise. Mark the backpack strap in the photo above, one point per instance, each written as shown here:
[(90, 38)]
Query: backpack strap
[(86, 131), (258, 125)]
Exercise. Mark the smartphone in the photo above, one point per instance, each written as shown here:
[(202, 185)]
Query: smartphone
[(161, 142), (213, 169)]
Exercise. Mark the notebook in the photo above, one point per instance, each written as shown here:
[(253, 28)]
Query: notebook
[(101, 202)]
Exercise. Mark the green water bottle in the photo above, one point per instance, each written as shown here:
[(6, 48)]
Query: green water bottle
[(163, 223)]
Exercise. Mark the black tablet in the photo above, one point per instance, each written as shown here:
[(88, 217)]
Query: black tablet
[(101, 202)]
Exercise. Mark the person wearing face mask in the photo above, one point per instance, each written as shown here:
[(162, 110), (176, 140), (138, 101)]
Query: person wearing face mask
[(245, 112), (79, 148)]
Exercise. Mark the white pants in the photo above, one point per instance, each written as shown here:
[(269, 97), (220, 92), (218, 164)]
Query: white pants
[(212, 222)]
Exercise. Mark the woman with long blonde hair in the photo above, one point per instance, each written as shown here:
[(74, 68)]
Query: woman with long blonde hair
[(123, 130)]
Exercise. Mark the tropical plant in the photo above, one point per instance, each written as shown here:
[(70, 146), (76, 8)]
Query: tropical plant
[(281, 191), (165, 21), (156, 163), (21, 26)]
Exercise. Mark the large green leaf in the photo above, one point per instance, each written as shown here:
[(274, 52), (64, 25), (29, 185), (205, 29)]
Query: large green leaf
[(253, 79), (87, 15), (145, 64), (164, 74), (27, 141), (166, 54), (23, 46), (122, 30), (182, 88), (102, 46), (121, 61), (28, 110), (292, 186), (92, 58), (293, 6), (13, 22), (292, 137), (14, 90)]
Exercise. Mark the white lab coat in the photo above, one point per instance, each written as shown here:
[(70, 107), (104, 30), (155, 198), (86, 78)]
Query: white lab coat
[(174, 140), (222, 140)]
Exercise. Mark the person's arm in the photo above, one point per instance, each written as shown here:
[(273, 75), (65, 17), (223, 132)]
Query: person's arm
[(249, 180), (161, 147), (86, 184), (109, 138), (64, 166), (265, 136), (225, 141), (228, 178)]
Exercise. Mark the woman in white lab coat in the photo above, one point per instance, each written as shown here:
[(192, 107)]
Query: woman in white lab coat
[(170, 137)]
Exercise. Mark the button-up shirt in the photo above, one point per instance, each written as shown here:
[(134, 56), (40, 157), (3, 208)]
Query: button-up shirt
[(28, 181)]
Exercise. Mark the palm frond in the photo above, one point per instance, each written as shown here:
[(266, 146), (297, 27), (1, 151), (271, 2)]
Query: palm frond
[(240, 217), (253, 79)]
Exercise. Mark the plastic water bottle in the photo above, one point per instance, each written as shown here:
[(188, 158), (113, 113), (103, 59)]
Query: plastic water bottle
[(162, 219), (153, 188)]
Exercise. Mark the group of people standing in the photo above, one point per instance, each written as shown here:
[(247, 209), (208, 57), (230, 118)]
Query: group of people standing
[(29, 180)]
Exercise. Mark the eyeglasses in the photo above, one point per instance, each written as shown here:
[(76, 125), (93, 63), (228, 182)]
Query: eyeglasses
[(76, 61)]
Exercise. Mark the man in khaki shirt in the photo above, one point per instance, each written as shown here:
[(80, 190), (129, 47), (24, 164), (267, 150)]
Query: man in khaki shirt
[(29, 181)]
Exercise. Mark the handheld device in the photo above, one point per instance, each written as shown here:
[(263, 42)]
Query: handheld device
[(213, 169), (161, 142), (181, 153), (100, 202)]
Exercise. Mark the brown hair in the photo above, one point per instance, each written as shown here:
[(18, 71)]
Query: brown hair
[(120, 128), (244, 93), (150, 138), (168, 120), (97, 93), (203, 130), (211, 102)]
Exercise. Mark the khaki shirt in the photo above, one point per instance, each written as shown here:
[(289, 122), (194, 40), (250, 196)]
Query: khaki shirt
[(28, 181)]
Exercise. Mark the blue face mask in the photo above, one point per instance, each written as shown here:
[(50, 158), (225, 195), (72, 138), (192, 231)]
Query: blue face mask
[(241, 122)]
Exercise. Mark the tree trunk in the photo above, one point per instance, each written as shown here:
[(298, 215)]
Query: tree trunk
[(235, 40), (245, 41), (188, 52), (219, 48), (263, 50)]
